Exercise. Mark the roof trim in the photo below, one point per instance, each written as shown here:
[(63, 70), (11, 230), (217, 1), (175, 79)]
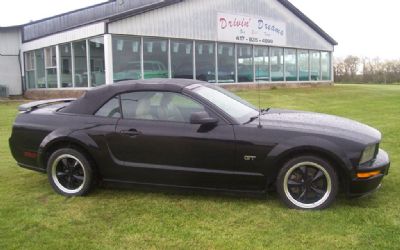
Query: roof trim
[(146, 8), (67, 13), (308, 21), (10, 27)]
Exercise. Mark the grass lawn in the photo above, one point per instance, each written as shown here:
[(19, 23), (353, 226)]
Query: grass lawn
[(32, 216)]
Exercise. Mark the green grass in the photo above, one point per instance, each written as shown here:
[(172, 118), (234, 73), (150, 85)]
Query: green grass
[(32, 216)]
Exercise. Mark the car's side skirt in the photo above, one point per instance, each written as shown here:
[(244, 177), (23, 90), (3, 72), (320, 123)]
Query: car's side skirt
[(119, 183)]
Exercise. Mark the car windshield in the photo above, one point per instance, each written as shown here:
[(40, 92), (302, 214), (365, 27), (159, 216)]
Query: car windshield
[(239, 109)]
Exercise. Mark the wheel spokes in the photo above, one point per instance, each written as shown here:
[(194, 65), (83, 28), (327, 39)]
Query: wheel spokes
[(317, 191), (69, 173), (294, 183), (307, 184), (78, 177), (317, 176), (302, 195), (64, 162)]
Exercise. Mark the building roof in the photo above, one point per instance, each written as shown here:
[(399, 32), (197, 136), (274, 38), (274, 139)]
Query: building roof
[(118, 9), (103, 11)]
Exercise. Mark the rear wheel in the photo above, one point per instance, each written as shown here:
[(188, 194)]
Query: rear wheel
[(69, 172), (307, 182)]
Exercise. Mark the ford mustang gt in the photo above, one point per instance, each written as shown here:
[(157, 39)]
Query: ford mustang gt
[(194, 135)]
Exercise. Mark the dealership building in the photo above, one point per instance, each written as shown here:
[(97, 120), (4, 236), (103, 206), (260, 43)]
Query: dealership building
[(225, 42)]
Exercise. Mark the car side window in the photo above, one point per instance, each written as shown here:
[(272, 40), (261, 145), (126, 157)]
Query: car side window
[(110, 109), (160, 106)]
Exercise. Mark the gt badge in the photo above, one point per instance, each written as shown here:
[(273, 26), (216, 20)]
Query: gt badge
[(249, 157)]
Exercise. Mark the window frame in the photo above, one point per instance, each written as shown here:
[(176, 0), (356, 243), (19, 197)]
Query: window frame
[(108, 100), (194, 99)]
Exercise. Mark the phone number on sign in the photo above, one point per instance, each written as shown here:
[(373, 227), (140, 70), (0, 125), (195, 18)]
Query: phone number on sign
[(254, 40)]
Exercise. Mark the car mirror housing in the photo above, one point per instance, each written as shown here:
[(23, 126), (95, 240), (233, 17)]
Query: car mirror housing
[(202, 118)]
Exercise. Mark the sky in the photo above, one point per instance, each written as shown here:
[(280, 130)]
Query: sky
[(361, 27)]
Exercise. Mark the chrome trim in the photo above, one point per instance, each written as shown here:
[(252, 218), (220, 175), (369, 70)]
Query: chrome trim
[(55, 178), (305, 205)]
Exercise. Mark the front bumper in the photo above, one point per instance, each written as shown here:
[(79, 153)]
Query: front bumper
[(360, 186)]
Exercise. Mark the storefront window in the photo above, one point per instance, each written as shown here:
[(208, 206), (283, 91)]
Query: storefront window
[(40, 70), (51, 67), (326, 66), (277, 64), (245, 63), (205, 61), (66, 65), (30, 70), (290, 65), (126, 58), (303, 59), (80, 56), (97, 71), (226, 63), (155, 58), (182, 59), (261, 61), (315, 66)]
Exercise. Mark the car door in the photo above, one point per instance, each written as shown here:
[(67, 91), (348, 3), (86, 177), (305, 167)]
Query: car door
[(156, 143)]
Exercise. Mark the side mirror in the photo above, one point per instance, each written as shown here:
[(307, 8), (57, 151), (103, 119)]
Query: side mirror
[(202, 118)]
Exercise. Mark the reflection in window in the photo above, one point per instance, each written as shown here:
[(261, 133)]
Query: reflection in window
[(51, 67), (30, 70), (40, 69), (182, 59), (155, 58), (66, 65), (81, 77), (261, 61), (97, 61), (245, 63), (126, 58), (290, 65), (277, 64), (161, 106), (110, 109), (226, 63), (315, 66), (326, 66), (303, 60), (205, 61)]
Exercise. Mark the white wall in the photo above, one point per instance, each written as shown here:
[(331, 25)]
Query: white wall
[(10, 73), (195, 19), (66, 36)]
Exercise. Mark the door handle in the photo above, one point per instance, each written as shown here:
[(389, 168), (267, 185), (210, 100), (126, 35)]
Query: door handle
[(131, 132)]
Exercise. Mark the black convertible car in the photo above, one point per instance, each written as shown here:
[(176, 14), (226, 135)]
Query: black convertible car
[(191, 134)]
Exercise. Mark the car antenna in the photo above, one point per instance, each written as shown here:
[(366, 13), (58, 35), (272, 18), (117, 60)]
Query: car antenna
[(259, 99)]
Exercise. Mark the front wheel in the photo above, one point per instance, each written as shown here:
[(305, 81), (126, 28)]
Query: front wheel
[(307, 183), (69, 172)]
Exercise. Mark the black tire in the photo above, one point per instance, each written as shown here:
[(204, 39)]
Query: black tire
[(307, 183), (70, 172)]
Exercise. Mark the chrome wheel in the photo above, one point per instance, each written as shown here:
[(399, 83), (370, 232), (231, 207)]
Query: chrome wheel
[(68, 173), (307, 185)]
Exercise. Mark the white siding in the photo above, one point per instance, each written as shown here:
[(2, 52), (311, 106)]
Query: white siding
[(67, 36), (10, 74), (195, 19)]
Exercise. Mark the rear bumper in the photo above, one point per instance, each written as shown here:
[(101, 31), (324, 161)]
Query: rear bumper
[(361, 187), (34, 168)]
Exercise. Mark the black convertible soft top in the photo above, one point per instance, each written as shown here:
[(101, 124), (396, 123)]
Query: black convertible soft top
[(93, 99)]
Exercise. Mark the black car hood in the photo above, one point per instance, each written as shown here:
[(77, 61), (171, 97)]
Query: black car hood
[(320, 124)]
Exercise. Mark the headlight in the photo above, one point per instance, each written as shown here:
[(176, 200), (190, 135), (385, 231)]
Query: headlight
[(368, 154)]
